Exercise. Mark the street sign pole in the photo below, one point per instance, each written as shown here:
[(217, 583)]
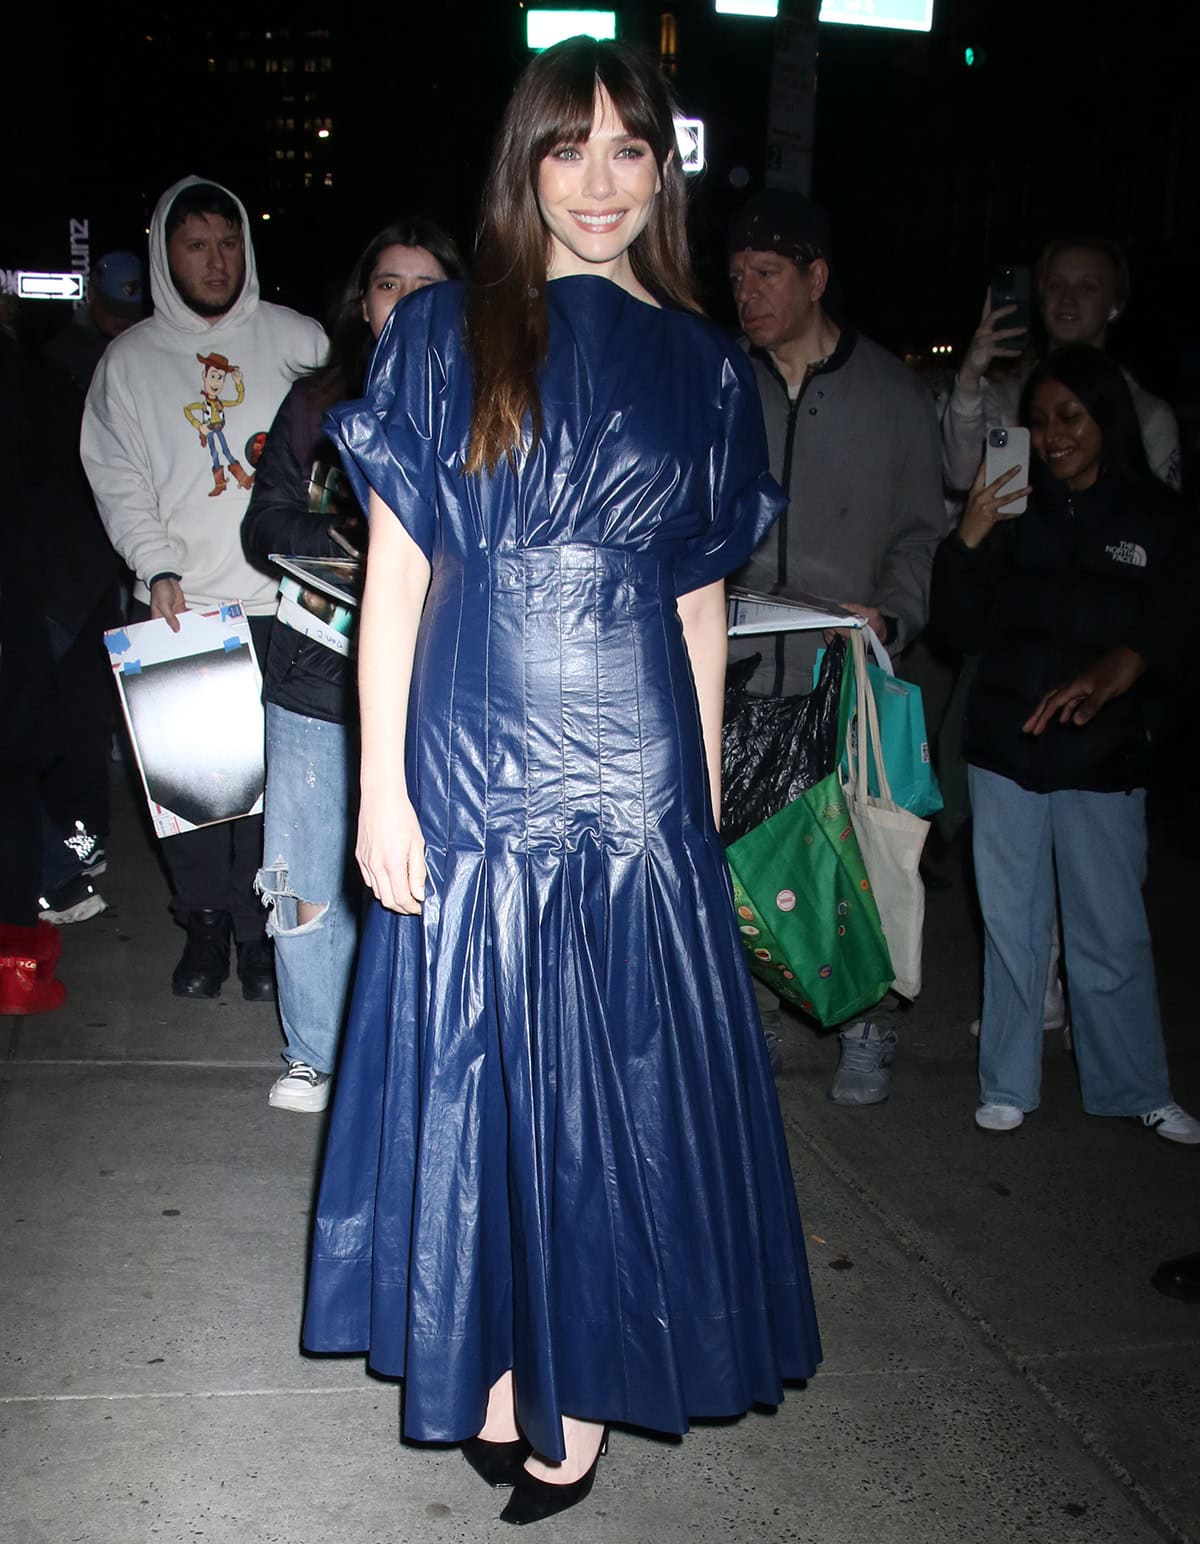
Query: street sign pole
[(791, 117)]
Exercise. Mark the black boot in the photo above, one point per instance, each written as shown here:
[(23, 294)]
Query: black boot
[(256, 970), (204, 964)]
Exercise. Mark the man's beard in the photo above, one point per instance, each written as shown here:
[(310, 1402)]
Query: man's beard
[(208, 309)]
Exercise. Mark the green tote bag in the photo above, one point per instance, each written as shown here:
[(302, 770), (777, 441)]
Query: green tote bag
[(806, 910)]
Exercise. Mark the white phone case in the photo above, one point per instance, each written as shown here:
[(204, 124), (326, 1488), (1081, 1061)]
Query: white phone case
[(999, 457)]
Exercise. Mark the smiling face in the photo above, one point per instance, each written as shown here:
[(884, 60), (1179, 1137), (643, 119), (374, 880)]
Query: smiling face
[(214, 379), (1078, 296), (398, 271), (595, 197), (1065, 436), (207, 259)]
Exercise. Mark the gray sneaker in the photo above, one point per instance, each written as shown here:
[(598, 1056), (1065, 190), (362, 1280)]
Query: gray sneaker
[(864, 1073)]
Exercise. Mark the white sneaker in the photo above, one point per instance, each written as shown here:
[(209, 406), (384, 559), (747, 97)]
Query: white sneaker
[(998, 1117), (300, 1088), (1174, 1124)]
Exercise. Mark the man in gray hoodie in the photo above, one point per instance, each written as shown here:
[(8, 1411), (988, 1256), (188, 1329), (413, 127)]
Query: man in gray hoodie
[(175, 408), (853, 440)]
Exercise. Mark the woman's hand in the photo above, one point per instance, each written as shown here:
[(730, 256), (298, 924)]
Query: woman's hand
[(1081, 699), (986, 505), (988, 342), (391, 853)]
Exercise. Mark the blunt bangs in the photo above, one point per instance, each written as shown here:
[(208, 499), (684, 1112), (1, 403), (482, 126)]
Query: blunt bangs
[(563, 101)]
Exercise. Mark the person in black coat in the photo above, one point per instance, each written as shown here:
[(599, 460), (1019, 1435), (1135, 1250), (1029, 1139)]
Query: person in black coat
[(29, 700), (1086, 589), (302, 506)]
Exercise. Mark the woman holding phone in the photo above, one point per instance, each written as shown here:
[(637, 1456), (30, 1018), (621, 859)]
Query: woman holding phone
[(1081, 287), (1085, 588), (556, 1192)]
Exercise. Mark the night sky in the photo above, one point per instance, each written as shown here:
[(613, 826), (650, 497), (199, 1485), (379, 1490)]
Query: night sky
[(1075, 118)]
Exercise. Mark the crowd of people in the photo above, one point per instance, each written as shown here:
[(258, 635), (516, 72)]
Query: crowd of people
[(488, 892)]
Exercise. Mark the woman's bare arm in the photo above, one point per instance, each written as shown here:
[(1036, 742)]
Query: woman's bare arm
[(702, 613), (390, 848)]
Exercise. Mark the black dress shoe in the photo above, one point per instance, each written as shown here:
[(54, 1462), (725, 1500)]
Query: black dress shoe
[(256, 970), (1179, 1278), (204, 964), (499, 1463), (533, 1500)]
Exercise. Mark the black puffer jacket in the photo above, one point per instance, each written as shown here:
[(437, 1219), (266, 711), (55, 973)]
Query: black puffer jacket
[(301, 674), (1043, 597)]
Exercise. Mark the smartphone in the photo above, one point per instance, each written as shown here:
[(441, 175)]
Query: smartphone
[(1011, 286), (1005, 448)]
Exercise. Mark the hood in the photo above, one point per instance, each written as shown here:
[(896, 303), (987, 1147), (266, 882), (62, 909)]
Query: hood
[(169, 305)]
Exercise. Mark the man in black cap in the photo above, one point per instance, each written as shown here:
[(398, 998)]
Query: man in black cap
[(853, 439)]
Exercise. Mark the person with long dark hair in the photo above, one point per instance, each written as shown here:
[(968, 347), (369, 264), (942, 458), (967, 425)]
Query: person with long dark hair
[(556, 1191), (303, 506), (1077, 609)]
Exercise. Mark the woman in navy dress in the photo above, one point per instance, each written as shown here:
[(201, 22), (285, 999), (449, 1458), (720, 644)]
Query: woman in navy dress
[(556, 1191)]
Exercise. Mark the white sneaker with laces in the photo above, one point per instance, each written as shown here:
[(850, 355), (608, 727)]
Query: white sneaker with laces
[(300, 1088), (1173, 1123), (998, 1117)]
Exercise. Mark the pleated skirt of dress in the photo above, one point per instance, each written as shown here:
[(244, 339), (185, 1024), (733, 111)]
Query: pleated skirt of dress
[(555, 1143)]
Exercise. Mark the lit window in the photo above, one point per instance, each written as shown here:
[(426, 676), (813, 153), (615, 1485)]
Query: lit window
[(328, 179), (310, 66)]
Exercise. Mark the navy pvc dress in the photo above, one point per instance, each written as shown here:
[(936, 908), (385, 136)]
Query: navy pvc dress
[(555, 1144)]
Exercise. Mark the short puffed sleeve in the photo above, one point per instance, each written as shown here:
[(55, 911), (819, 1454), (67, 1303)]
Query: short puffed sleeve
[(744, 500), (388, 439)]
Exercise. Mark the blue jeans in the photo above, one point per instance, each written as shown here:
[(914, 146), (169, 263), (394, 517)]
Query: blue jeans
[(311, 812), (1097, 843), (217, 437)]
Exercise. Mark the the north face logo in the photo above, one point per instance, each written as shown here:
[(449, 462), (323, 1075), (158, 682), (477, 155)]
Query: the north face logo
[(1127, 552)]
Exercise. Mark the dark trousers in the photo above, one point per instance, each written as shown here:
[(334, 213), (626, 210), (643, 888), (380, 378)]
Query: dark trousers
[(214, 868), (21, 845)]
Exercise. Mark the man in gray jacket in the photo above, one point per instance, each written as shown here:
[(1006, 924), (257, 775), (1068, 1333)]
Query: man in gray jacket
[(854, 441)]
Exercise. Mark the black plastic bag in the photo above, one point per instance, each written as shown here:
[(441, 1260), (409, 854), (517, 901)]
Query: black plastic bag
[(774, 748)]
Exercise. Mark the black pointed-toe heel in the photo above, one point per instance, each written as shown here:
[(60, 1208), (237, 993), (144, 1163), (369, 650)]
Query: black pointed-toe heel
[(533, 1500), (499, 1463)]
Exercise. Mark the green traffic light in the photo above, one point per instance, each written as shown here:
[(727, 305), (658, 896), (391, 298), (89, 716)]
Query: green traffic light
[(968, 57)]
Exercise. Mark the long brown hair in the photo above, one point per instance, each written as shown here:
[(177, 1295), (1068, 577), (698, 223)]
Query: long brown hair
[(507, 326)]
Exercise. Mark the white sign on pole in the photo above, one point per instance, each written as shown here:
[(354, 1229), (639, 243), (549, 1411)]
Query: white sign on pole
[(50, 286), (544, 28), (901, 15)]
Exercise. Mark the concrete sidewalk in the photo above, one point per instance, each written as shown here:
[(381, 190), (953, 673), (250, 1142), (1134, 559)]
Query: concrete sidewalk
[(997, 1366)]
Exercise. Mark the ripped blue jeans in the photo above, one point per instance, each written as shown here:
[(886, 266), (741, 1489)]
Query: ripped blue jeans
[(309, 824)]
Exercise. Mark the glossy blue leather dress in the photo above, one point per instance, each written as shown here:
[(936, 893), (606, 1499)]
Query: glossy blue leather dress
[(555, 1143)]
